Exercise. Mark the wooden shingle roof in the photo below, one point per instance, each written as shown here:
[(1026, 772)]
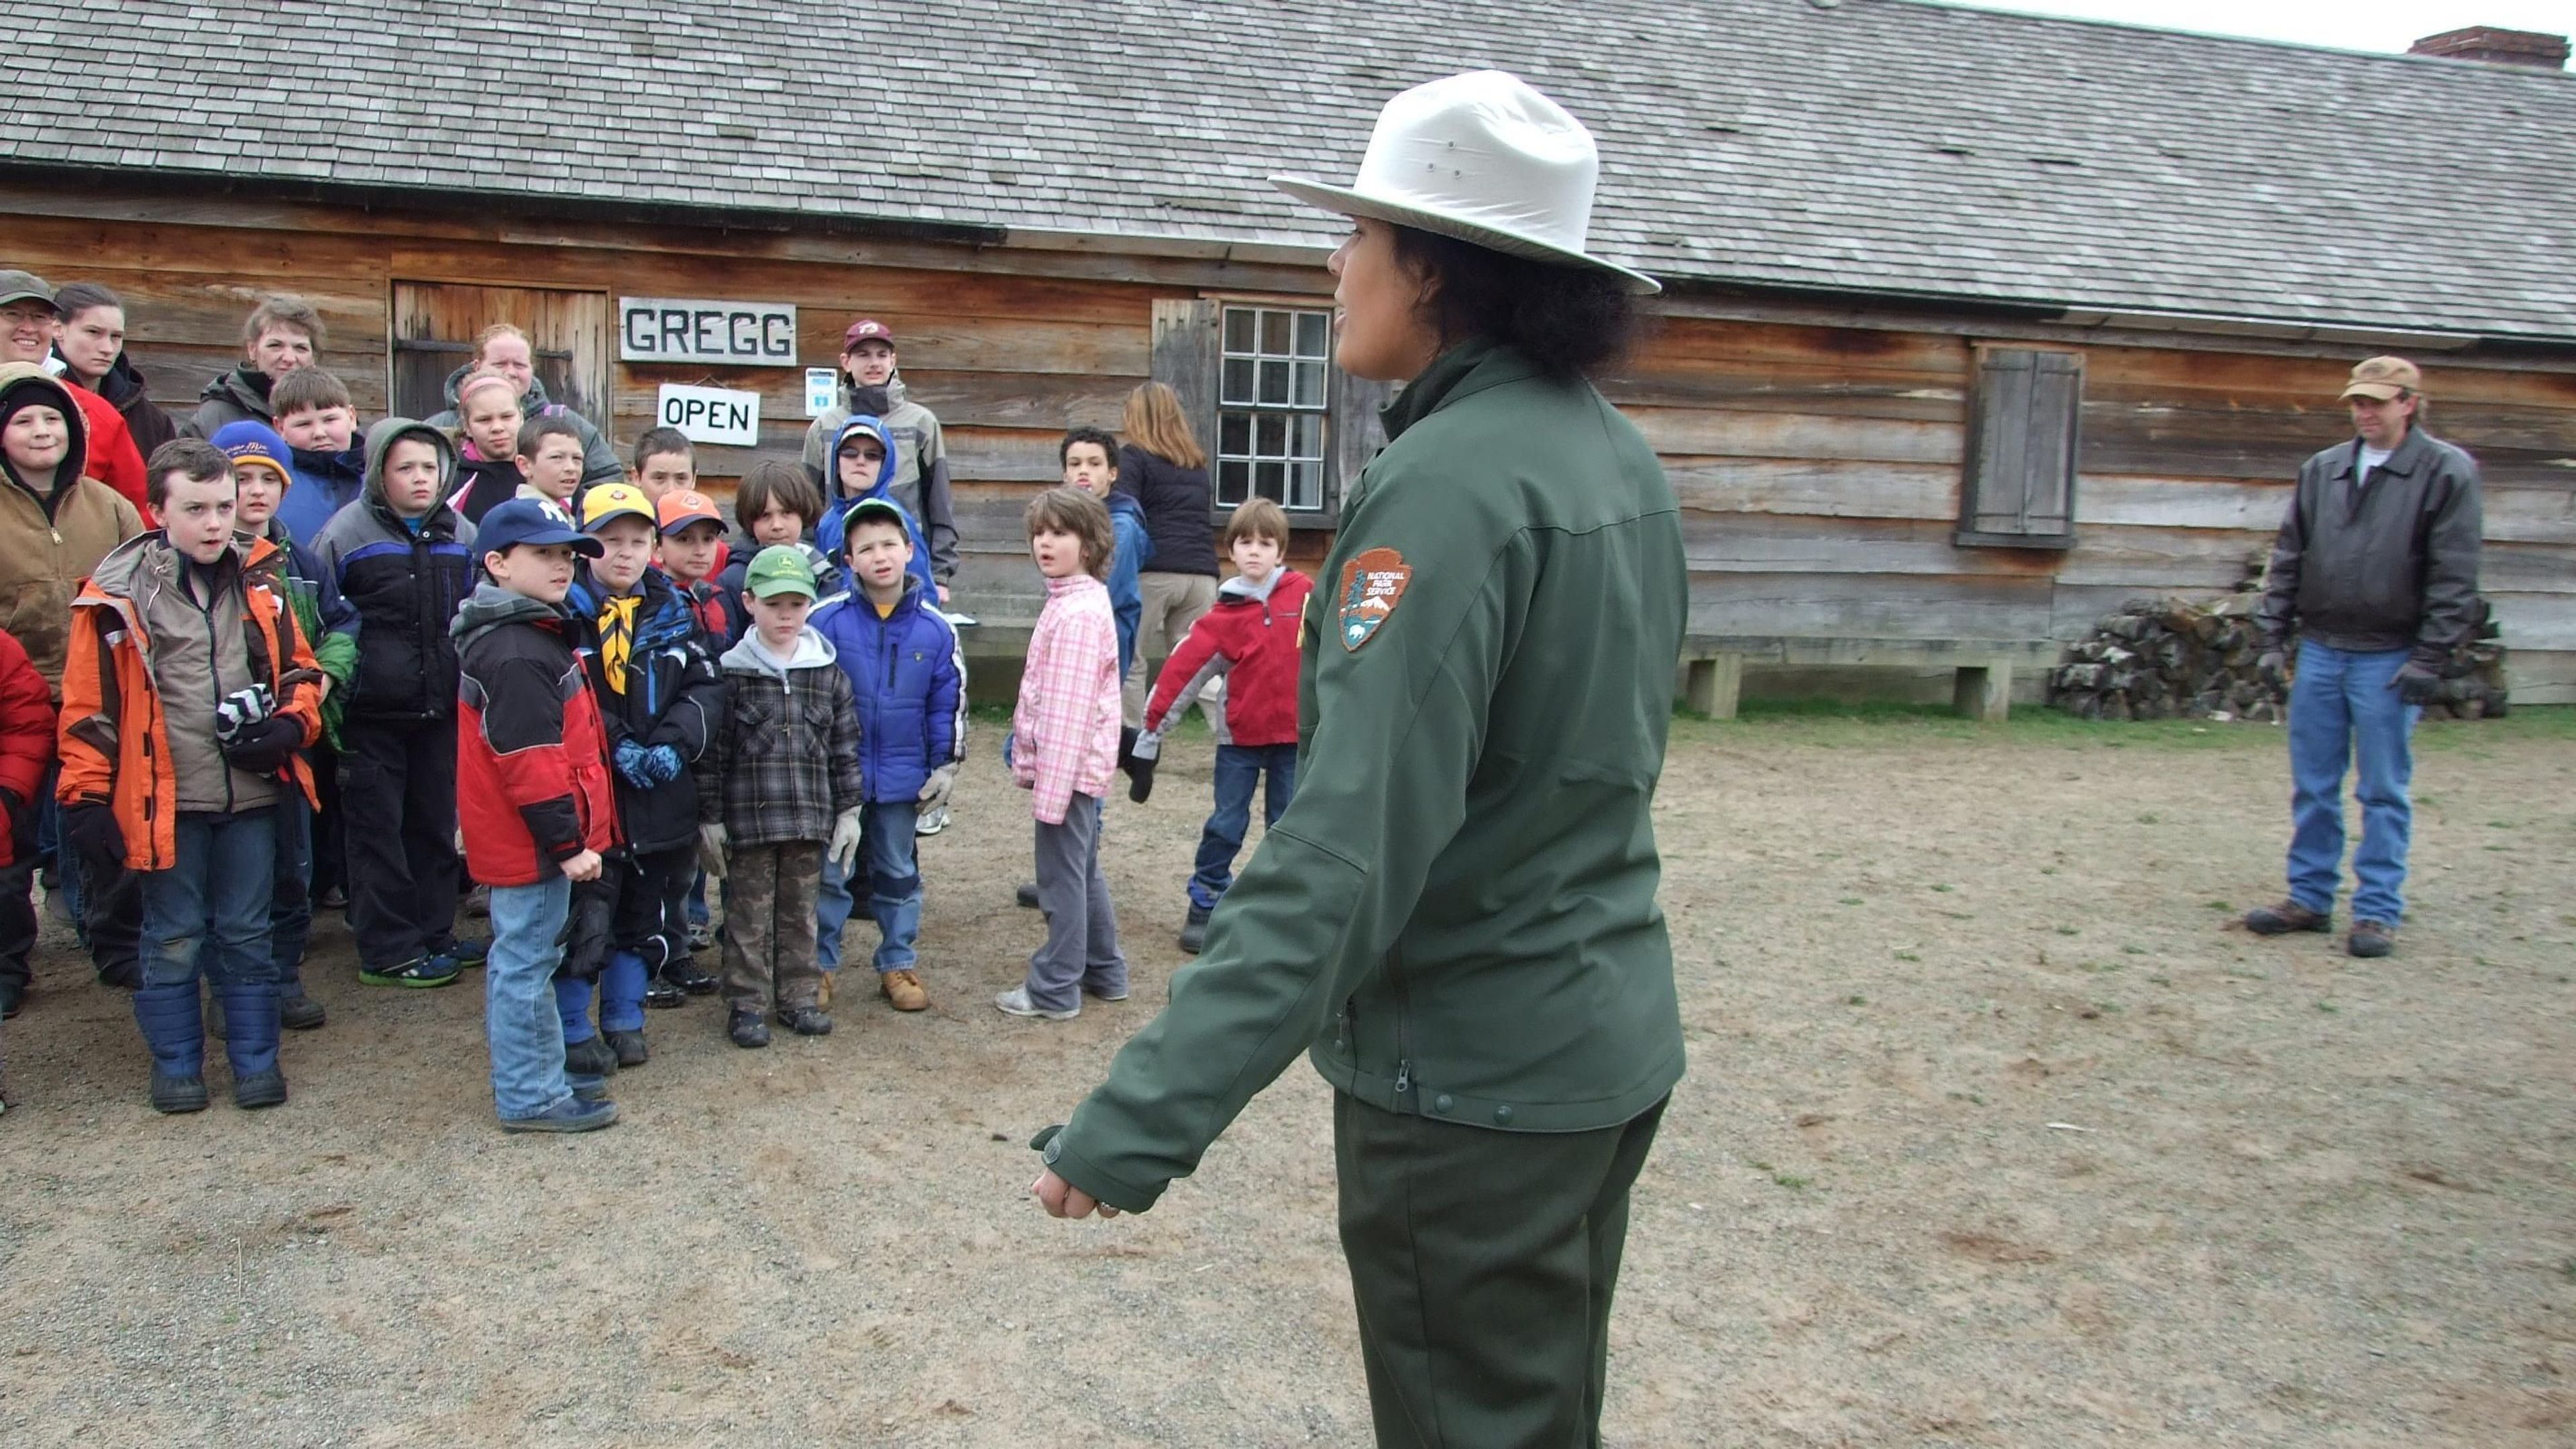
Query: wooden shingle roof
[(1869, 146)]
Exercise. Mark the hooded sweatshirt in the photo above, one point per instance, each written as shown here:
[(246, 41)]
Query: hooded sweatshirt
[(833, 532), (917, 452), (116, 451), (405, 579), (599, 463), (1134, 551), (784, 761), (51, 539)]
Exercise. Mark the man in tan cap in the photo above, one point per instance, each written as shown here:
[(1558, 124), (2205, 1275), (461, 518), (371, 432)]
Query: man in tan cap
[(2376, 567)]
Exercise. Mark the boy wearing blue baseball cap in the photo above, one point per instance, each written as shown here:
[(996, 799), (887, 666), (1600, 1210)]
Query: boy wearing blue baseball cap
[(535, 798)]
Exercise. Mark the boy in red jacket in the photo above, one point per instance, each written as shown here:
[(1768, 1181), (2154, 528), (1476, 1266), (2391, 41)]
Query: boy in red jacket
[(26, 752), (533, 796), (1250, 637)]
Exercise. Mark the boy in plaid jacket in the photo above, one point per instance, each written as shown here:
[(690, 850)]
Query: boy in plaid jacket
[(778, 780)]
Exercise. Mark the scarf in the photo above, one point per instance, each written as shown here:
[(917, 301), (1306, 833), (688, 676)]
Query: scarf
[(617, 638)]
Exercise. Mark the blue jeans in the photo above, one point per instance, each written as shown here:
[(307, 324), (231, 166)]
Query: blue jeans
[(1237, 767), (519, 1016), (894, 889), (213, 901), (2344, 707)]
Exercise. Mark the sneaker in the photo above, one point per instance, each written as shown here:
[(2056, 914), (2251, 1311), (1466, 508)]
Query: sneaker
[(1194, 930), (589, 1057), (748, 1029), (930, 822), (123, 975), (1015, 1002), (259, 1089), (904, 989), (627, 1048), (593, 1090), (333, 898), (661, 993), (702, 937), (477, 902), (299, 1012), (418, 971), (805, 1021), (178, 1094), (1096, 994), (2284, 918), (2371, 938), (1028, 896), (690, 977), (823, 992), (466, 952), (570, 1115)]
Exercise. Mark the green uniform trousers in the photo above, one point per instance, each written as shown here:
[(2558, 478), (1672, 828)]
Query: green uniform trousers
[(1483, 1264)]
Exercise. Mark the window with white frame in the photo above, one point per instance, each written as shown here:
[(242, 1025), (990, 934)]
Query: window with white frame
[(1271, 406)]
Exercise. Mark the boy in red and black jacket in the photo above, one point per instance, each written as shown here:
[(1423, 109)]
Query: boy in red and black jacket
[(534, 798), (1250, 638)]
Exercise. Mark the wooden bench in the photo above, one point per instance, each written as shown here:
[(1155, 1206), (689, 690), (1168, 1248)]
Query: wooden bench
[(1982, 669)]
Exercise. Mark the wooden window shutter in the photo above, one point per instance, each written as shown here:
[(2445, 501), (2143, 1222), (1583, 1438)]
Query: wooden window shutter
[(2024, 420), (1356, 433), (1185, 357)]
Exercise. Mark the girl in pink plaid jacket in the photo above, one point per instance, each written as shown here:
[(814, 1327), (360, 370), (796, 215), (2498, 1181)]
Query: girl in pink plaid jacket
[(1064, 750)]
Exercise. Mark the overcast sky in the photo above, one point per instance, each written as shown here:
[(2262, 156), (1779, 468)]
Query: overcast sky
[(2389, 25)]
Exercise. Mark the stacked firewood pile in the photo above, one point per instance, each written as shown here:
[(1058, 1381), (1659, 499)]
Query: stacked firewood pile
[(2179, 659)]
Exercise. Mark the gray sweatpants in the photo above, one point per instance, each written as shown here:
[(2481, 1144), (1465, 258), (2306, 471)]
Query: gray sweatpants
[(1081, 950)]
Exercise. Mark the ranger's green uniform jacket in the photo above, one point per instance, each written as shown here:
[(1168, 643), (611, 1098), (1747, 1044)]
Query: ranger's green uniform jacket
[(1456, 917)]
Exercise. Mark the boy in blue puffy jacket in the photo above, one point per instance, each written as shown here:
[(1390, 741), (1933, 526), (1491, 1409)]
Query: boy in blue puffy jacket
[(909, 679)]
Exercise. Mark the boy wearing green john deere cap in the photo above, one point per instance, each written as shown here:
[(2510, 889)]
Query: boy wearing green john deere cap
[(779, 779)]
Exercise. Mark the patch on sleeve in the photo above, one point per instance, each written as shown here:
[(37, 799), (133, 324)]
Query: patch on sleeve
[(1373, 583)]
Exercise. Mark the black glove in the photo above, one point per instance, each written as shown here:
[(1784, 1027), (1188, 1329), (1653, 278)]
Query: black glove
[(265, 747), (1140, 769), (90, 828), (2417, 684), (2274, 667), (587, 925)]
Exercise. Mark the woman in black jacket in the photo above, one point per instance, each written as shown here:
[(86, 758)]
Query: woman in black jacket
[(1162, 467)]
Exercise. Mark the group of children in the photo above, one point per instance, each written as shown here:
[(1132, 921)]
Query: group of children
[(605, 703)]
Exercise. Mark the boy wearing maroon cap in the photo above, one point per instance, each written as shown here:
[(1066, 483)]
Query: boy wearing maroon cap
[(869, 386)]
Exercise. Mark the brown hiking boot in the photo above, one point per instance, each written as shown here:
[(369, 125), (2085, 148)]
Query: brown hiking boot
[(904, 989), (823, 992), (2371, 938), (2286, 917)]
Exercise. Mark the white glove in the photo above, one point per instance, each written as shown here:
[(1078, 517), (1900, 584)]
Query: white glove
[(711, 850), (936, 790), (844, 849)]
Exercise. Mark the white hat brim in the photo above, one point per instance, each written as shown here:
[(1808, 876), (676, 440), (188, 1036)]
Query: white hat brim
[(1346, 201)]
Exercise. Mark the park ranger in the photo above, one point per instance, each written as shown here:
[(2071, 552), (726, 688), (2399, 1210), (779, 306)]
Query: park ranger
[(1456, 919)]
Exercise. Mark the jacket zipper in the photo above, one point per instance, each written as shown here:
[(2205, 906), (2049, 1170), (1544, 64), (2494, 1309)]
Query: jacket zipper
[(215, 677), (1403, 1063)]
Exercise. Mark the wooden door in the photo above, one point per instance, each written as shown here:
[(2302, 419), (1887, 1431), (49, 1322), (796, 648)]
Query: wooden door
[(436, 324)]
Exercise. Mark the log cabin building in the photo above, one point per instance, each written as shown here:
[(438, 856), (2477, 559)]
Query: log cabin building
[(1976, 324)]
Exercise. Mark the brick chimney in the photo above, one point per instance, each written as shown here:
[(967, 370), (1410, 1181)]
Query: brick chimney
[(2503, 47)]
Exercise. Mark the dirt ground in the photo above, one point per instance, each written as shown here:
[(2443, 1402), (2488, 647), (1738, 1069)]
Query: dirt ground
[(1995, 1134)]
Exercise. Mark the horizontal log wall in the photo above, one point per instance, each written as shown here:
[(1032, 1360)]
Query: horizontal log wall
[(1819, 469), (1817, 456)]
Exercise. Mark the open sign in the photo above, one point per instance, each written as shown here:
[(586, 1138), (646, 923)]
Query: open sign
[(711, 414), (738, 334)]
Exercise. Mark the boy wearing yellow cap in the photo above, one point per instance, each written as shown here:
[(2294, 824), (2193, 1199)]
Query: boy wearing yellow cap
[(659, 694)]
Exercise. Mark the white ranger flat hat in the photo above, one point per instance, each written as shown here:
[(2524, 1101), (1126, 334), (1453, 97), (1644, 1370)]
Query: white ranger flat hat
[(1484, 158)]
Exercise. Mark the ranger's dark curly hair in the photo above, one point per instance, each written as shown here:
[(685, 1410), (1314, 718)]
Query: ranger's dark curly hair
[(1570, 321)]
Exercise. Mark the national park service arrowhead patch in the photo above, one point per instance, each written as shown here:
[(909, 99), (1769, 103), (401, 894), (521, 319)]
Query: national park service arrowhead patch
[(1372, 585)]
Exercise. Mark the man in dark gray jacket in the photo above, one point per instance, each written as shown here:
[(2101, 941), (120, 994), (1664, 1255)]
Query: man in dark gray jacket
[(2376, 566)]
